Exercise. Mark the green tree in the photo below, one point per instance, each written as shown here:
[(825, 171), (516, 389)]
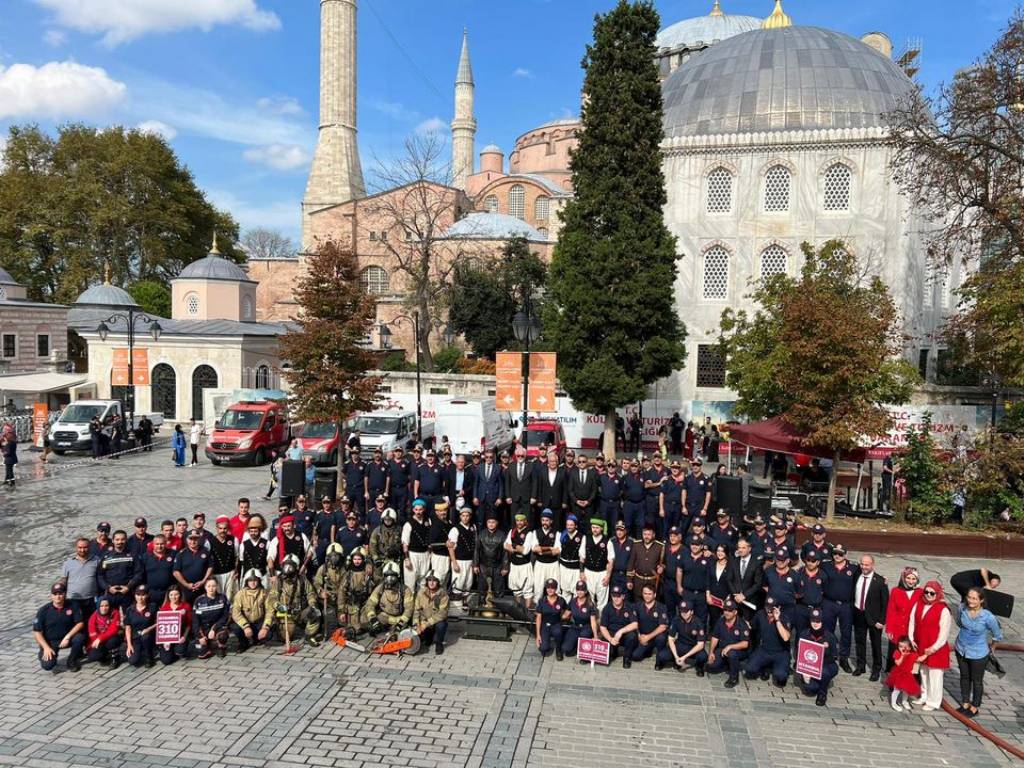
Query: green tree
[(611, 316), (328, 373), (824, 352), (152, 296), (89, 197), (487, 293), (928, 500)]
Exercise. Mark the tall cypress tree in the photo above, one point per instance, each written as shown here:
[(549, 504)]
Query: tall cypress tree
[(612, 315)]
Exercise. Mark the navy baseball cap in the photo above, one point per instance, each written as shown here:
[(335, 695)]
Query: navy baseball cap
[(769, 602), (811, 555), (685, 606), (581, 584), (695, 540), (838, 549), (617, 591), (818, 528), (782, 553), (816, 615), (674, 529), (729, 605), (551, 583), (103, 527), (59, 588)]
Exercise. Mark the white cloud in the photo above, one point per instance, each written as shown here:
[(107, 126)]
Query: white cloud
[(57, 89), (158, 128), (280, 105), (395, 110), (3, 147), (432, 125), (122, 20), (280, 157), (54, 38), (522, 72)]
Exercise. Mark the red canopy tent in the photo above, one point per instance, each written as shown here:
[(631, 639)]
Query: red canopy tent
[(779, 436)]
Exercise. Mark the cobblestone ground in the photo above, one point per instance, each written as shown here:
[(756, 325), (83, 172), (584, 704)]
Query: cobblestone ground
[(485, 704)]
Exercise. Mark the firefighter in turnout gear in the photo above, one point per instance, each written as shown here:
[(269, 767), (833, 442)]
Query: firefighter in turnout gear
[(390, 605), (291, 600), (386, 540), (354, 590), (328, 581), (249, 609)]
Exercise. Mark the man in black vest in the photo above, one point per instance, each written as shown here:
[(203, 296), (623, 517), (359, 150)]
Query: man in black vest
[(416, 537)]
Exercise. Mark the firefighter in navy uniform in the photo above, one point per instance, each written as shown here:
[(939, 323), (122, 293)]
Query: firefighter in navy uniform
[(760, 538), (610, 494), (771, 657), (399, 480), (355, 482), (118, 573), (811, 583), (838, 604), (583, 616), (357, 583), (695, 578), (351, 535), (551, 608), (651, 627), (634, 504), (781, 583), (291, 600), (672, 576), (723, 532), (192, 567), (390, 604), (685, 644), (817, 633), (59, 625), (140, 628), (618, 627), (156, 569), (730, 644), (430, 482), (377, 479), (621, 545)]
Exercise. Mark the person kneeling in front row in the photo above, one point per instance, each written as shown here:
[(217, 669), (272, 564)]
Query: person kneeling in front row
[(618, 627), (730, 644), (685, 647), (817, 633), (59, 625), (771, 657)]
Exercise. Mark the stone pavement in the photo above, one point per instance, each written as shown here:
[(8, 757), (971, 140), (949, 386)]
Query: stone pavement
[(482, 704)]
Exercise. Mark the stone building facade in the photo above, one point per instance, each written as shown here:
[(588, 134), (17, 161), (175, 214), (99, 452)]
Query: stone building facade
[(33, 335)]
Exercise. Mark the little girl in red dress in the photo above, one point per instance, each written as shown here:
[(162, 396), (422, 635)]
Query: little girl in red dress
[(901, 679)]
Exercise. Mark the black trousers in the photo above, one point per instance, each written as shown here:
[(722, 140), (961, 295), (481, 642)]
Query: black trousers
[(195, 455), (972, 679), (862, 630)]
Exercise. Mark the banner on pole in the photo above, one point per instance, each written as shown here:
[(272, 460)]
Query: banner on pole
[(589, 649), (810, 658), (508, 391), (542, 381)]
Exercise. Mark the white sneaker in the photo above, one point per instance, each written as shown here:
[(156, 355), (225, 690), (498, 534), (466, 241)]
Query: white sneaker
[(906, 706), (896, 707), (929, 708)]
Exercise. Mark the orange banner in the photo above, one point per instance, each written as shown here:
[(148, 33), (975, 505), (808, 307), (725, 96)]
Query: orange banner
[(140, 367), (40, 421), (542, 381), (119, 373), (509, 397), (509, 380)]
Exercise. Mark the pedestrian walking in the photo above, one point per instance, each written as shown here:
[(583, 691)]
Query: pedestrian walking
[(178, 446), (195, 433)]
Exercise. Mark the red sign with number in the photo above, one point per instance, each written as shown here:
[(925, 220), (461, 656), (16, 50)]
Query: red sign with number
[(168, 626), (588, 649), (810, 658)]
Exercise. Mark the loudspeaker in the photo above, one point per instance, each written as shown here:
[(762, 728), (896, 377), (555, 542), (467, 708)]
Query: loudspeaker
[(729, 495), (759, 505), (326, 484), (293, 478)]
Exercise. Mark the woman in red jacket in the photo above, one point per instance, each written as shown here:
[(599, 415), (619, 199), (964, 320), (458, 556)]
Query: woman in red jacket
[(171, 652), (929, 632), (104, 635), (902, 600)]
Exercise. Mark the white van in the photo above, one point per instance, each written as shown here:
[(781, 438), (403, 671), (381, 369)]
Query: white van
[(473, 425), (387, 430)]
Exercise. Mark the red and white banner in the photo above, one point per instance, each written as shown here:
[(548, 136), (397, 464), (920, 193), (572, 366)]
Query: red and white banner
[(810, 658), (168, 627), (588, 649)]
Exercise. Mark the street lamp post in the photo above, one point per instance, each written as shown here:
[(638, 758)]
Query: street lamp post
[(527, 330), (996, 386), (129, 319)]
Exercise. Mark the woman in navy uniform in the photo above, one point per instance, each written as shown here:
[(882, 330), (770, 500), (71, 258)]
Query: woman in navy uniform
[(685, 645), (771, 657), (618, 627), (140, 629), (583, 615), (551, 609), (651, 625), (817, 633), (730, 644)]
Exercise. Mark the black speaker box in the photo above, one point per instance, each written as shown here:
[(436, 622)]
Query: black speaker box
[(326, 484), (293, 478), (729, 495)]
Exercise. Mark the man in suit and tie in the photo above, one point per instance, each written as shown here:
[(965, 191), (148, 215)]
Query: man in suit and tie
[(745, 576), (870, 603), (582, 490), (487, 492), (519, 485), (549, 489), (459, 485)]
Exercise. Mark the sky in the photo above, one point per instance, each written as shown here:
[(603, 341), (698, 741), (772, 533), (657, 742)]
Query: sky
[(233, 84)]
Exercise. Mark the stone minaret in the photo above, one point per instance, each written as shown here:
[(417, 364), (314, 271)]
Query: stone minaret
[(337, 175), (464, 124)]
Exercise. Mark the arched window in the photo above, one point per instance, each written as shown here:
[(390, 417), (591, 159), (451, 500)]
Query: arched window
[(719, 191), (776, 189), (773, 261), (716, 273), (542, 208), (491, 204), (374, 280), (517, 201), (203, 377), (837, 188), (543, 233), (263, 377), (164, 390), (192, 304)]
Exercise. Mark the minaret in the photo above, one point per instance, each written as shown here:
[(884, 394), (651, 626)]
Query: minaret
[(336, 175), (464, 124)]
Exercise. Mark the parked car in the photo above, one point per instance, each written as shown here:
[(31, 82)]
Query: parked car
[(548, 432), (473, 425), (70, 432), (388, 430), (248, 432), (322, 442)]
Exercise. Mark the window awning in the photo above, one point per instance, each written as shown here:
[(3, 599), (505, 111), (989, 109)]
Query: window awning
[(41, 382)]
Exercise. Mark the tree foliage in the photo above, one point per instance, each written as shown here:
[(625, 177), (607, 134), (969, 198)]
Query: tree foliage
[(264, 243), (92, 196), (959, 155), (824, 352), (611, 315), (153, 297), (328, 373), (928, 500), (487, 292)]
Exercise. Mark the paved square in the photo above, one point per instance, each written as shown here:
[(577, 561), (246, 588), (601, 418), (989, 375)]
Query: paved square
[(481, 704)]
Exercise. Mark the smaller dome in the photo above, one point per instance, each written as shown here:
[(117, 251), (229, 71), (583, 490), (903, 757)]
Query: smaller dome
[(705, 30), (491, 148), (106, 295), (492, 226), (6, 279), (213, 267)]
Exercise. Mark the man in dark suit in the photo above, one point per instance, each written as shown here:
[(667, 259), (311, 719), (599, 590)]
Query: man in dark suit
[(745, 576), (582, 491), (519, 484), (488, 492), (549, 490), (870, 601), (459, 485)]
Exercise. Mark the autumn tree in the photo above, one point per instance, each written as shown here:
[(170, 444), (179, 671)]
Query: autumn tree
[(329, 364), (70, 204), (824, 351), (611, 315), (959, 155), (264, 243)]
